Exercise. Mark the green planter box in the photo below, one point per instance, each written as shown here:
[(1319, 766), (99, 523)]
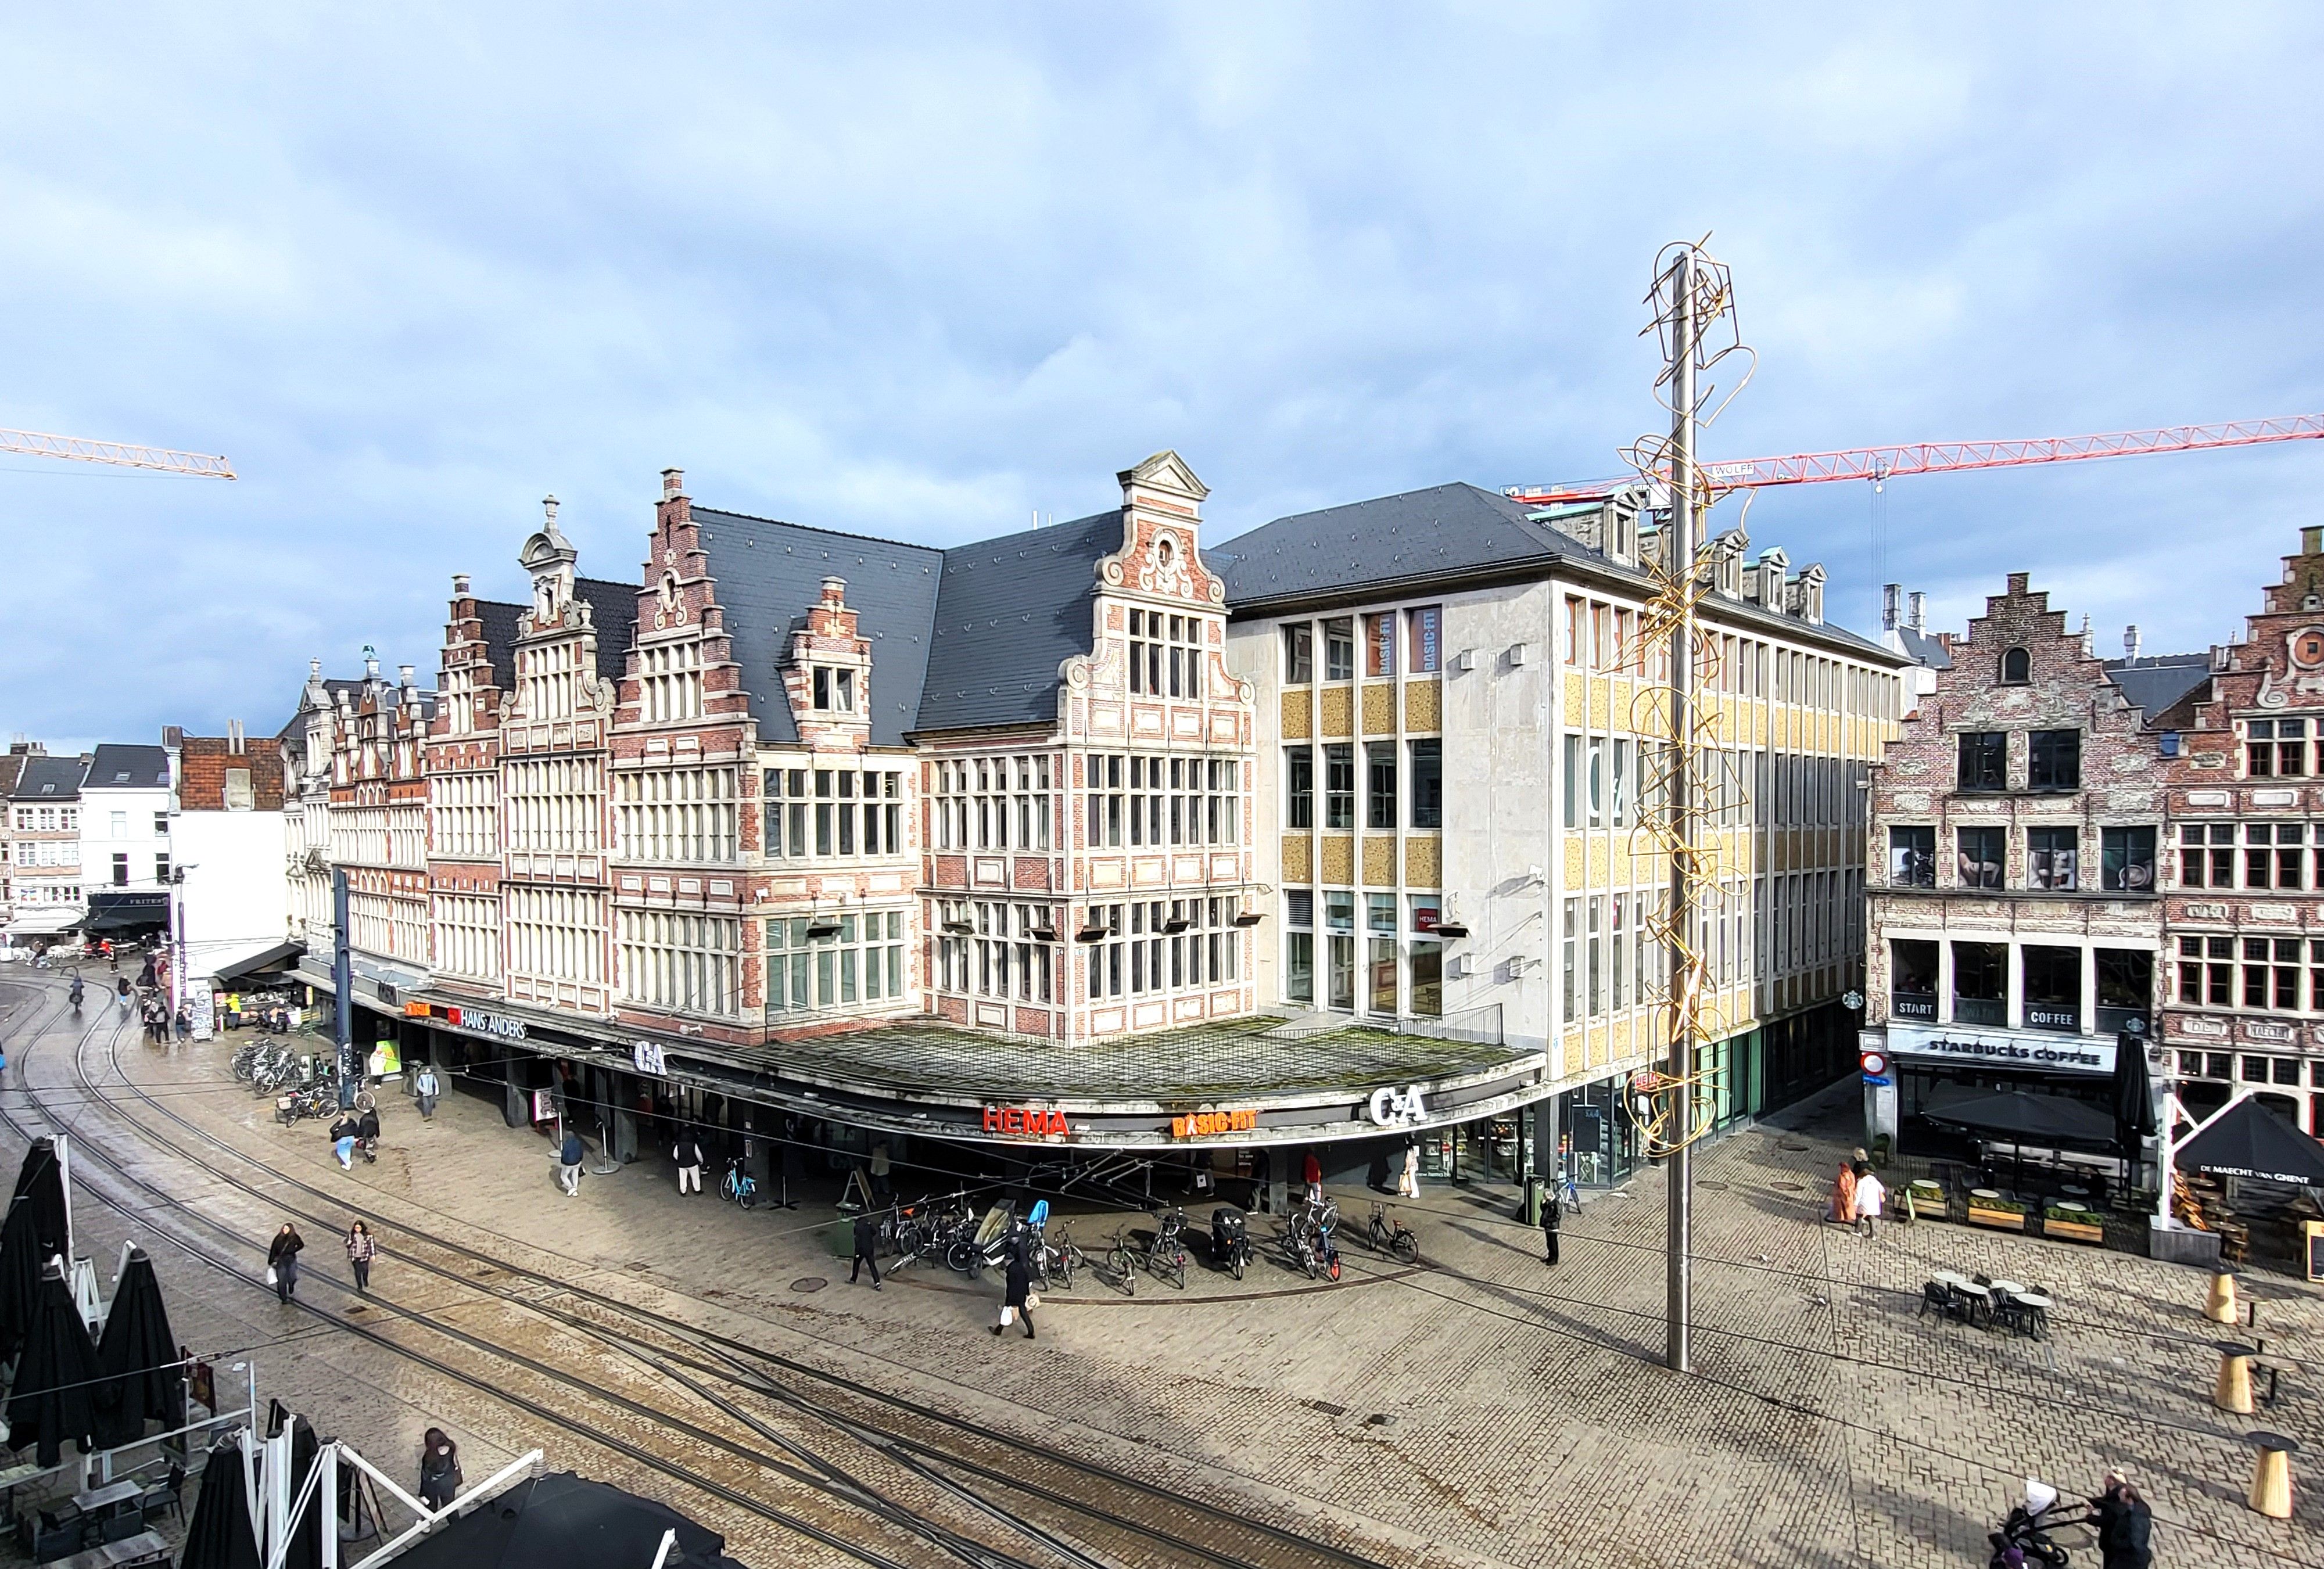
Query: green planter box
[(2074, 1224), (1982, 1213), (1928, 1199)]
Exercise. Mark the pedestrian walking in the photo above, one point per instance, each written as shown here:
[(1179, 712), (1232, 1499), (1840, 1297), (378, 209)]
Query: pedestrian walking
[(1870, 1195), (2125, 1525), (360, 1248), (1312, 1174), (1552, 1214), (439, 1469), (867, 1248), (367, 1132), (1843, 1195), (343, 1142), (1408, 1182), (569, 1155), (1017, 1302), (688, 1156), (425, 1089), (282, 1262)]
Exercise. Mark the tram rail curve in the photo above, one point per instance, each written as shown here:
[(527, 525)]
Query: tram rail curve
[(1142, 1516)]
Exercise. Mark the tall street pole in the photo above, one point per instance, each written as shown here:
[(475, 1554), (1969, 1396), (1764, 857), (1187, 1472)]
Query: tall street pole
[(1679, 1221), (343, 1028)]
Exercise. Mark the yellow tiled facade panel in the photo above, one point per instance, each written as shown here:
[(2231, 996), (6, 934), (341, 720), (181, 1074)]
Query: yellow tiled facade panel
[(1380, 710), (1424, 705), (1339, 711), (1600, 703), (1340, 859), (1573, 861), (1295, 715), (1599, 871), (1575, 1057), (1424, 861), (1379, 861), (1297, 864)]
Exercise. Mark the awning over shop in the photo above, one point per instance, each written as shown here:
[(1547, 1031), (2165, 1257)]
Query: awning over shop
[(2250, 1138), (123, 912), (44, 923), (251, 960), (2023, 1116)]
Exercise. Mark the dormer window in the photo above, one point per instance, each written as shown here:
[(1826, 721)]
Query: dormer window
[(834, 689), (2016, 668)]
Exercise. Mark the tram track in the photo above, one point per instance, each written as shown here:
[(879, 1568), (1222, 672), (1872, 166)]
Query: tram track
[(842, 1529), (1038, 1496)]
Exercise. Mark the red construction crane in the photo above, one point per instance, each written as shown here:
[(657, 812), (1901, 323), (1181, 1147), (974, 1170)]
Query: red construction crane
[(1883, 463), (127, 455)]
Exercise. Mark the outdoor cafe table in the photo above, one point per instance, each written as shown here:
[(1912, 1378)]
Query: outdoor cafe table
[(99, 1500)]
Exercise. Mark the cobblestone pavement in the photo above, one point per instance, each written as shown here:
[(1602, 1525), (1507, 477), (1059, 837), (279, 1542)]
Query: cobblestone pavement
[(1481, 1410)]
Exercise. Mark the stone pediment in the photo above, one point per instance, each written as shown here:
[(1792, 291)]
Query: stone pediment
[(1165, 471)]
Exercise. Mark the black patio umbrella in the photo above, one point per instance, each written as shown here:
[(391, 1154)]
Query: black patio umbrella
[(220, 1534), (139, 1359), (34, 1234), (54, 1397), (565, 1522), (2134, 1095), (2253, 1140), (2020, 1115), (306, 1546)]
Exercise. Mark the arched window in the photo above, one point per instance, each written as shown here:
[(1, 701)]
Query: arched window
[(2016, 668)]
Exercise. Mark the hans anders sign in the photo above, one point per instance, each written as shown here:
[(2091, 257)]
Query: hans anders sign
[(2018, 1048)]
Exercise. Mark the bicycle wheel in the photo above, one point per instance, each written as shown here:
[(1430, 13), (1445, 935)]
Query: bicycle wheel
[(1069, 1259), (1235, 1263), (1123, 1269), (1334, 1267), (1406, 1247), (1177, 1266), (960, 1256)]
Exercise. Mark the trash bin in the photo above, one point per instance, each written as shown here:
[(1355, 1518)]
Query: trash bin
[(1535, 1186)]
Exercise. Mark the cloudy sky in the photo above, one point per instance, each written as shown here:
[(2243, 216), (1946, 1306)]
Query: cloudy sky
[(926, 275)]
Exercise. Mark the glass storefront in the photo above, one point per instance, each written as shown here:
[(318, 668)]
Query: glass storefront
[(1599, 1138)]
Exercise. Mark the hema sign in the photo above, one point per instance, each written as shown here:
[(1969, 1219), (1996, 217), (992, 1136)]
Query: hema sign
[(2023, 1049)]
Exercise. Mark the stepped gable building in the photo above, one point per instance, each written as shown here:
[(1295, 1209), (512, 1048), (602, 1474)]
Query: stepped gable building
[(2015, 894), (2245, 921)]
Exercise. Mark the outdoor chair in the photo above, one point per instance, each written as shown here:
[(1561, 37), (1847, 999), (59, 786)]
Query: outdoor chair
[(1935, 1296), (157, 1501), (122, 1527), (45, 1536)]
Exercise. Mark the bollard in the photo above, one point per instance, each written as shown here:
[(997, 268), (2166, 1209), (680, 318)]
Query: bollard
[(2219, 1307), (2271, 1482), (2234, 1391)]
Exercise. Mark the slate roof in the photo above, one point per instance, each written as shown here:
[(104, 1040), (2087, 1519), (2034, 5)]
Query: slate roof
[(1010, 610), (333, 685), (1923, 649), (1420, 539), (51, 779), (2157, 685), (769, 574), (614, 612), (120, 767), (498, 621), (11, 764)]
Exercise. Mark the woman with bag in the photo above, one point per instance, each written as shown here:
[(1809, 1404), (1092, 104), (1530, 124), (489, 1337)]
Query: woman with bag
[(282, 1262), (1019, 1297), (360, 1251)]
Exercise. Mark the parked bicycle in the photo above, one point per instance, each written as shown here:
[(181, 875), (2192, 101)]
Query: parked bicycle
[(1121, 1262), (738, 1187), (1164, 1257), (1384, 1233), (1307, 1239), (988, 1245), (1055, 1262), (1230, 1241)]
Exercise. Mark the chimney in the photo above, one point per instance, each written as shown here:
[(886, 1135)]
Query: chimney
[(2311, 542), (2130, 642), (2090, 639), (673, 483), (405, 671), (834, 593), (1890, 594), (234, 736), (1917, 616), (460, 585)]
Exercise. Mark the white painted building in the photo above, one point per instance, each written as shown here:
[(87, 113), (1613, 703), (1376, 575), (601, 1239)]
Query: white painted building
[(124, 841), (233, 889)]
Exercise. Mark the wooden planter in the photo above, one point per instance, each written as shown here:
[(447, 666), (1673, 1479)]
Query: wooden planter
[(2073, 1231), (2008, 1220), (1929, 1201)]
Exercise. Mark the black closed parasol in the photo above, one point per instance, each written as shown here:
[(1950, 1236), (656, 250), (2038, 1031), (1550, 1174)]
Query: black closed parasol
[(2251, 1139), (220, 1534), (34, 1234), (565, 1522), (54, 1397), (144, 1380), (2019, 1116)]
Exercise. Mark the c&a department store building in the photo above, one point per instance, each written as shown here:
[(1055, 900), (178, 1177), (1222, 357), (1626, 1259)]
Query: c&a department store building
[(1021, 842)]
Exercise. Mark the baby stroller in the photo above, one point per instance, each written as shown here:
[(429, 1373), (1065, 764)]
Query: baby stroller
[(2023, 1538), (1230, 1240)]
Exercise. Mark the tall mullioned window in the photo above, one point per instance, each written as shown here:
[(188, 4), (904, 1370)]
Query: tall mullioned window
[(1153, 801), (814, 812), (680, 960), (670, 682), (687, 814), (554, 804), (1165, 654), (833, 961), (994, 803)]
